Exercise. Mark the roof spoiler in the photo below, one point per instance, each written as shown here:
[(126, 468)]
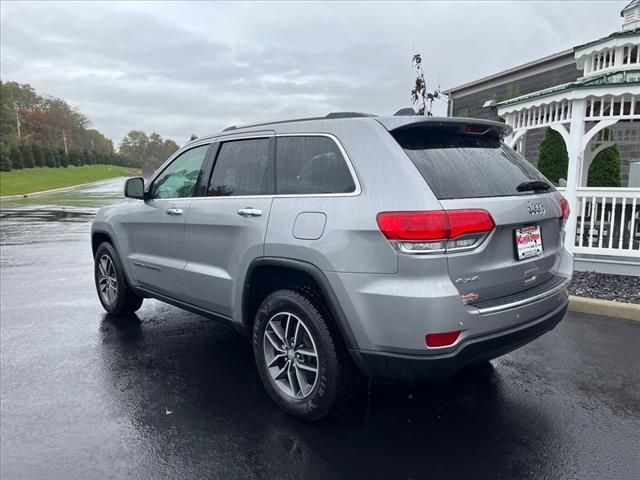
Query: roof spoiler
[(470, 125)]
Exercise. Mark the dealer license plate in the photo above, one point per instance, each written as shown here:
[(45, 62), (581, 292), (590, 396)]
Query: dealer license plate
[(528, 241)]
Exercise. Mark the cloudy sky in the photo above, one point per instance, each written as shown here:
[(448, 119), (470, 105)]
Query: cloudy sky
[(190, 67)]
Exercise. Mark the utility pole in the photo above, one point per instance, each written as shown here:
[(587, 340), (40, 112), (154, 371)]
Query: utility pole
[(17, 120), (64, 139)]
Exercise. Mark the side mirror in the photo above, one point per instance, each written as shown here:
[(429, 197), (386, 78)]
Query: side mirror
[(134, 188)]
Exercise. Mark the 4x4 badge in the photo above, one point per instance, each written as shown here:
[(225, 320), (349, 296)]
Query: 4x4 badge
[(536, 208)]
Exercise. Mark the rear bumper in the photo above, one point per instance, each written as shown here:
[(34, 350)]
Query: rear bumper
[(476, 349)]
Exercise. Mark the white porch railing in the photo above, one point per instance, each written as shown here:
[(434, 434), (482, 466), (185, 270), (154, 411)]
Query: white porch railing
[(608, 221)]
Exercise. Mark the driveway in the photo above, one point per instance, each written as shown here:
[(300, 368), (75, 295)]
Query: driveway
[(169, 394)]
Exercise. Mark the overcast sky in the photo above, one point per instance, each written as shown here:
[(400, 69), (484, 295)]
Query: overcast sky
[(189, 67)]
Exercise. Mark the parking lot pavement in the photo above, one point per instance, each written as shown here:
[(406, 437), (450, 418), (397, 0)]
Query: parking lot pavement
[(169, 394)]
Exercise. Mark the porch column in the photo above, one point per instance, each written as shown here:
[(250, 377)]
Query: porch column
[(574, 149)]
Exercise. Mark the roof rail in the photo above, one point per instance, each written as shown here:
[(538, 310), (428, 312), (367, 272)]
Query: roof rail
[(329, 116), (349, 115)]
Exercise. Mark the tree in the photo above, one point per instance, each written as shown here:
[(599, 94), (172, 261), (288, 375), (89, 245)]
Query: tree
[(7, 115), (5, 157), (63, 158), (38, 155), (553, 160), (193, 137), (87, 157), (421, 98), (27, 155), (50, 157), (75, 158), (16, 157), (605, 169)]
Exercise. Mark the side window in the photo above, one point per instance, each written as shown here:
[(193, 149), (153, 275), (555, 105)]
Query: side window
[(180, 178), (242, 168), (311, 165)]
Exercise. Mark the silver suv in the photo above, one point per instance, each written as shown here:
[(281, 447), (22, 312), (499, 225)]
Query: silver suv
[(399, 246)]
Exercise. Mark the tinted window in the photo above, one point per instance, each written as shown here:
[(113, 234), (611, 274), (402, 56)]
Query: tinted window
[(179, 179), (462, 165), (242, 169), (311, 165)]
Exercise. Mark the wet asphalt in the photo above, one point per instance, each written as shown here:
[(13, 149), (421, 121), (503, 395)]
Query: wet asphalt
[(169, 394)]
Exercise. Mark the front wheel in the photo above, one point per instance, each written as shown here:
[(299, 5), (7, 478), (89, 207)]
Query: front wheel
[(300, 360), (114, 292)]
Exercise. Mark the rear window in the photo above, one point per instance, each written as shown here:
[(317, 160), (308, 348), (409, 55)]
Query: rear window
[(311, 165), (457, 164)]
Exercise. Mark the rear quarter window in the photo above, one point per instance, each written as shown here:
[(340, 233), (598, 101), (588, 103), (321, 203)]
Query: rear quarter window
[(311, 165), (456, 164)]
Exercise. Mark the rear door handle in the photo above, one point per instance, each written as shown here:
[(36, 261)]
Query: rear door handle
[(249, 212), (174, 211)]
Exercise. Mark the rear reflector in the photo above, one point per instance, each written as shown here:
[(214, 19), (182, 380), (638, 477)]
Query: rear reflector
[(441, 339), (435, 230)]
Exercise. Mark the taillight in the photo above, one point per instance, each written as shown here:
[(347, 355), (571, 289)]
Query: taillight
[(437, 230), (564, 206)]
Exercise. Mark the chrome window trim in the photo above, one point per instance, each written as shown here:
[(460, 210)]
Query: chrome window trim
[(525, 301), (254, 135)]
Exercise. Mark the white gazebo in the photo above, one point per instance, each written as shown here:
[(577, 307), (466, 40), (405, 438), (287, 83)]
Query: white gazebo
[(604, 226)]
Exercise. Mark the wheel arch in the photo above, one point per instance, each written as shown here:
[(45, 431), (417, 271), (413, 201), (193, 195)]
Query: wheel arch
[(287, 273)]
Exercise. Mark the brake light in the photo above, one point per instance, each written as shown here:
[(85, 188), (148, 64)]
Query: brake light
[(564, 206), (437, 230), (441, 339)]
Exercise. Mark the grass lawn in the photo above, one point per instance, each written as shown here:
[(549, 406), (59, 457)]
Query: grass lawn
[(29, 180)]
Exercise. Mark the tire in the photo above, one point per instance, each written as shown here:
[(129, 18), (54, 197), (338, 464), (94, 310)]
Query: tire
[(118, 298), (313, 396)]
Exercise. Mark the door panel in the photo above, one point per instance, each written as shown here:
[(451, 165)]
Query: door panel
[(225, 230), (156, 232), (158, 245), (221, 244)]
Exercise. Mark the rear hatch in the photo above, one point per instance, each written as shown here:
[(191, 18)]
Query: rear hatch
[(467, 167)]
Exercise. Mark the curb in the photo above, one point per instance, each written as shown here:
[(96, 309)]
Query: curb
[(61, 189), (604, 308)]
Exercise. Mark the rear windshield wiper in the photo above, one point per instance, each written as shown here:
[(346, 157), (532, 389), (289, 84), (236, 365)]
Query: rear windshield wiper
[(535, 185)]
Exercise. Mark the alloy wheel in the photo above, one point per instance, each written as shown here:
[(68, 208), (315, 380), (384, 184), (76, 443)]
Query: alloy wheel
[(291, 356), (107, 280)]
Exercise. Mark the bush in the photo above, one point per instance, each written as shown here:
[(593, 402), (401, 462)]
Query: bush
[(63, 158), (38, 155), (16, 157), (605, 169), (75, 158), (27, 155), (50, 157), (554, 159), (5, 158)]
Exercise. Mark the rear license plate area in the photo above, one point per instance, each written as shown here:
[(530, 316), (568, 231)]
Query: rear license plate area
[(528, 242)]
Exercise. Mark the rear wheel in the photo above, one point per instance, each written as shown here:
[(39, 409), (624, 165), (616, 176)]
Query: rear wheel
[(300, 360), (115, 294)]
